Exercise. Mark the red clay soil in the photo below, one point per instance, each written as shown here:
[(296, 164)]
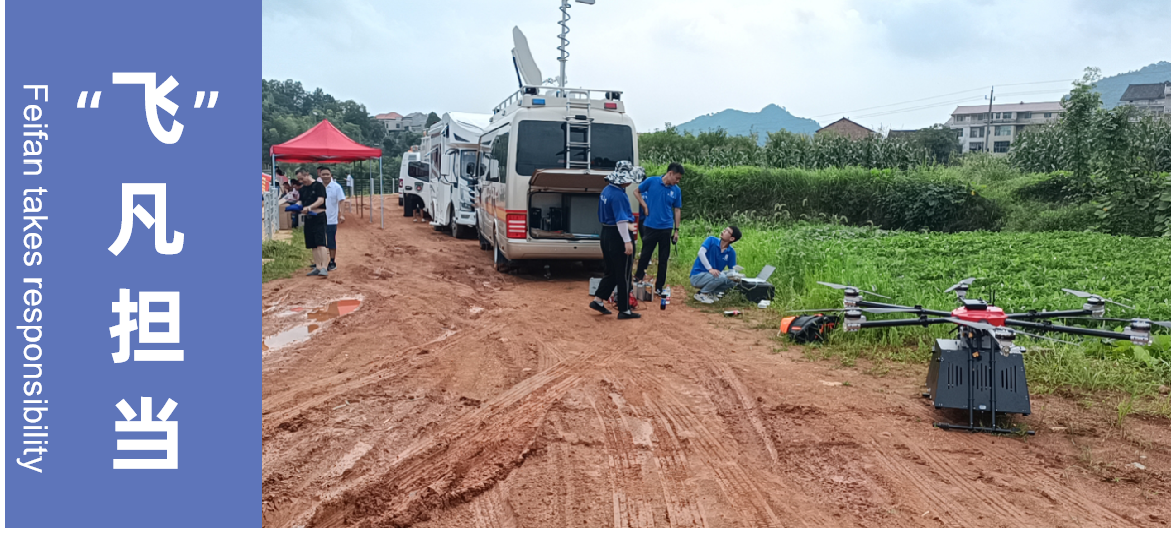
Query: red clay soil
[(459, 396)]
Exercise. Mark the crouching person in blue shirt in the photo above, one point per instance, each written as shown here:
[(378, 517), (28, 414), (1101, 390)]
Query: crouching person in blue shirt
[(614, 212), (715, 258)]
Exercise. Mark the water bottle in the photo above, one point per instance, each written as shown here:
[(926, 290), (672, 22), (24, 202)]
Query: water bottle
[(665, 298)]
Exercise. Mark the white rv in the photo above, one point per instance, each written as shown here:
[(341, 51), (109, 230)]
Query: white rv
[(544, 160), (451, 147)]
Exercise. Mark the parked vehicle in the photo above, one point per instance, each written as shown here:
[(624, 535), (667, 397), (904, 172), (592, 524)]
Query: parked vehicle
[(451, 148), (412, 179), (543, 163)]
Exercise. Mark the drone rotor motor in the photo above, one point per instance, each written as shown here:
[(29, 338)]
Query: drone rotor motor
[(853, 320), (851, 297), (1140, 331), (1096, 306)]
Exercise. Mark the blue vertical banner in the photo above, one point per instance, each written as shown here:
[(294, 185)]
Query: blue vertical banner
[(132, 398)]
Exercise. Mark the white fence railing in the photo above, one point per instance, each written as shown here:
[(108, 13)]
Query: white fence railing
[(270, 210)]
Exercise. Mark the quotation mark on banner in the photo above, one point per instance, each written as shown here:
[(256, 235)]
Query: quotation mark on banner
[(211, 102), (156, 97), (93, 103), (170, 443)]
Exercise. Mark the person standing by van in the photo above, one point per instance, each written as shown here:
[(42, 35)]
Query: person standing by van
[(660, 198), (614, 212), (334, 197), (313, 200)]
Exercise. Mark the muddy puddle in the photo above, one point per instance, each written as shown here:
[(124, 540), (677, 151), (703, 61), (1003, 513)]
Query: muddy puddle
[(315, 319)]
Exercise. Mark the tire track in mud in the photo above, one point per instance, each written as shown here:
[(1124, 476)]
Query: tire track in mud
[(926, 490), (368, 375), (737, 486), (1050, 489), (953, 475), (459, 462), (632, 508), (729, 380), (672, 464)]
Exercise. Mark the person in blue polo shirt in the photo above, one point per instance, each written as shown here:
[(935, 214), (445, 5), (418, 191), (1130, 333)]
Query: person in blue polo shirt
[(716, 256), (660, 198), (614, 212)]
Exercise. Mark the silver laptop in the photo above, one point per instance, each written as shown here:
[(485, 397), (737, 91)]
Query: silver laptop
[(762, 277)]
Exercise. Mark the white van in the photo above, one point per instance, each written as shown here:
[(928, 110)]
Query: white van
[(543, 163), (412, 179), (452, 145)]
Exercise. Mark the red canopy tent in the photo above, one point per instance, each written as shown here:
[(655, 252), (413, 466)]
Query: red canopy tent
[(324, 143)]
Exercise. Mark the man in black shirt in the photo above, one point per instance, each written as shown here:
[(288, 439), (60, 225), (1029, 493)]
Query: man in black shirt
[(313, 201)]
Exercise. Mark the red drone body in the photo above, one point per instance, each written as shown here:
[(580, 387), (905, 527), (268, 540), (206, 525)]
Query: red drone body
[(993, 316)]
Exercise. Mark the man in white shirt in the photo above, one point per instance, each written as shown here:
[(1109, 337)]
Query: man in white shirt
[(334, 197)]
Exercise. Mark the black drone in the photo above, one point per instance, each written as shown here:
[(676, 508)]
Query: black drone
[(982, 370)]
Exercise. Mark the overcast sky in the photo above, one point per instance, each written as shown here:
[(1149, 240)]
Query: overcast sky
[(677, 59)]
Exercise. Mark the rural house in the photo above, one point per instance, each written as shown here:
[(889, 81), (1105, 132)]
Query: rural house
[(391, 121), (1149, 97), (847, 128)]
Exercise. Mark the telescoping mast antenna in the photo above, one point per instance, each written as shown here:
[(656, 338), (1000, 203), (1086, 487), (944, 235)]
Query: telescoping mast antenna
[(566, 30)]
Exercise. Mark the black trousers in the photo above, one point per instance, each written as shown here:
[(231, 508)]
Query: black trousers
[(618, 269), (651, 238)]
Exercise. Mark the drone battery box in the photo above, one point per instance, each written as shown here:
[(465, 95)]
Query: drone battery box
[(755, 291), (953, 371)]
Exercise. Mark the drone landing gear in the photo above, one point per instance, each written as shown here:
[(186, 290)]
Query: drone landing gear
[(973, 428), (970, 374)]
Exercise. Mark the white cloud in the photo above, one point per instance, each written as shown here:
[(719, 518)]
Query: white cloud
[(679, 59)]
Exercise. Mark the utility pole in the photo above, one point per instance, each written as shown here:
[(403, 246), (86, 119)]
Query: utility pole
[(988, 120)]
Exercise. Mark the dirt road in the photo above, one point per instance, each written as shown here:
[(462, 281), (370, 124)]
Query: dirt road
[(457, 396)]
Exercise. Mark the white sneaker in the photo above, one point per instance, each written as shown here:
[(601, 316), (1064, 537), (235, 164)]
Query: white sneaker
[(718, 296), (704, 298)]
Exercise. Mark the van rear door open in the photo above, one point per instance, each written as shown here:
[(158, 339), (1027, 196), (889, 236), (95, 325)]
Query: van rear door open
[(563, 204)]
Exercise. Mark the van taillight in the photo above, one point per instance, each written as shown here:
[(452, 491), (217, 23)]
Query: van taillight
[(611, 105), (515, 226)]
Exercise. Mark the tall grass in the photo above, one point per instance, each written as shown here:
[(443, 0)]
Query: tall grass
[(1022, 271)]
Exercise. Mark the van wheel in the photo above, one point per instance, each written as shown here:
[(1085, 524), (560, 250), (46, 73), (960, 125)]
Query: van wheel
[(499, 261), (453, 227), (483, 242), (400, 201)]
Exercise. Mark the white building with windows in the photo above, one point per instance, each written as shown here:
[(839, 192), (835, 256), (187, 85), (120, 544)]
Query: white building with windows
[(1152, 98), (980, 129), (391, 121)]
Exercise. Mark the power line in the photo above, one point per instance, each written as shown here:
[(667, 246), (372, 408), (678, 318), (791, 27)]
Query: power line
[(946, 103), (932, 97)]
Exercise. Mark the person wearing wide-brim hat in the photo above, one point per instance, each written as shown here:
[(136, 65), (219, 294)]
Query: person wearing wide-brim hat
[(614, 212)]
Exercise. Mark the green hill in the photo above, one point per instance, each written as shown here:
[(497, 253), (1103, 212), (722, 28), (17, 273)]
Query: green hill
[(1113, 87), (770, 119)]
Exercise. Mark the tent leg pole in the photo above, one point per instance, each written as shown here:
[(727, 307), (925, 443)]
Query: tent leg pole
[(371, 186), (272, 180), (382, 199)]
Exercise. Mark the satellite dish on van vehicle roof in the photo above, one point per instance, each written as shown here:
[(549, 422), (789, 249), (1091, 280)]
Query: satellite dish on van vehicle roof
[(526, 66)]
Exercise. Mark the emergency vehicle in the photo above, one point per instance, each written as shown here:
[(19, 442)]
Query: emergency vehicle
[(543, 161), (452, 148)]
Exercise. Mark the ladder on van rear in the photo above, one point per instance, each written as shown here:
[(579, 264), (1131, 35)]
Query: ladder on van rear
[(581, 122)]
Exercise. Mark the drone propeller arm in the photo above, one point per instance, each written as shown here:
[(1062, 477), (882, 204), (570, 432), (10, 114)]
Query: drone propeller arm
[(889, 323), (881, 305), (1067, 329), (1034, 315)]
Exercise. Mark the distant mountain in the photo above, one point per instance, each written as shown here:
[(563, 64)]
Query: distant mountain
[(772, 118), (1113, 87)]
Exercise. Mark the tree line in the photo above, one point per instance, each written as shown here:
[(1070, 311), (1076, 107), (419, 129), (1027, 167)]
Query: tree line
[(287, 110)]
